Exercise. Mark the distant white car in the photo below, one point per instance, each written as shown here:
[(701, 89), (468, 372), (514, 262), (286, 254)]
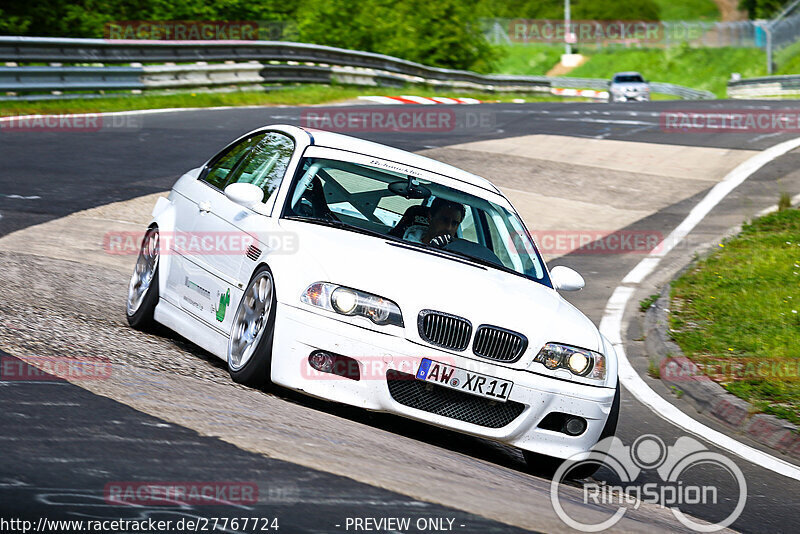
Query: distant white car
[(374, 277), (628, 86)]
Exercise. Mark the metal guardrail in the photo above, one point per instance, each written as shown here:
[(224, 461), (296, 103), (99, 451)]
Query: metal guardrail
[(244, 63), (55, 50), (765, 87), (70, 78), (684, 93)]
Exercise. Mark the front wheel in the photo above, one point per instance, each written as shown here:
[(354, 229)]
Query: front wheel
[(143, 287), (544, 465), (252, 331)]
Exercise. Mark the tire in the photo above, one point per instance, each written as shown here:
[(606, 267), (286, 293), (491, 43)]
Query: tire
[(143, 287), (252, 331), (541, 464)]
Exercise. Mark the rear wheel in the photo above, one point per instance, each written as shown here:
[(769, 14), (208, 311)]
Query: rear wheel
[(544, 465), (250, 344), (143, 287)]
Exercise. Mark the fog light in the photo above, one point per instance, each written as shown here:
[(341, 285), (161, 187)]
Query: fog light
[(321, 361), (575, 426)]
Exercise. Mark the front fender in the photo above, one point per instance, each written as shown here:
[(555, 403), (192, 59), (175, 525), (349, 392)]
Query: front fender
[(612, 362), (164, 218)]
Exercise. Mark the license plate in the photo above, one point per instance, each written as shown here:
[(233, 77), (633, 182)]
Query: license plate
[(462, 380)]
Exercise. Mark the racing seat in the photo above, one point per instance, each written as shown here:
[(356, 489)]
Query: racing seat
[(413, 215), (313, 204)]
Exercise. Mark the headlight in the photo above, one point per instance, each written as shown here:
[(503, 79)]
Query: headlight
[(347, 301), (580, 362)]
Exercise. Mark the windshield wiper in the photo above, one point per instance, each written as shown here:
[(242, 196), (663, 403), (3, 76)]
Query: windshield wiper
[(338, 224), (480, 261)]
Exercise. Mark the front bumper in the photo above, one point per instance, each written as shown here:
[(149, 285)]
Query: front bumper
[(299, 332), (622, 97)]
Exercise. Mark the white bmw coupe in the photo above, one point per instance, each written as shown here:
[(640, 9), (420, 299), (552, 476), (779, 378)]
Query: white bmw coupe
[(375, 277)]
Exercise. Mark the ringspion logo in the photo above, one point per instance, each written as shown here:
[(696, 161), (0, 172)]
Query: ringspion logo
[(673, 464)]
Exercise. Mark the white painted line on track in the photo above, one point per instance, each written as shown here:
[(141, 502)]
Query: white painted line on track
[(611, 323), (608, 121), (20, 197)]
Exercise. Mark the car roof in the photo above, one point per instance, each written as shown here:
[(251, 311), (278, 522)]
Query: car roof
[(628, 73), (353, 144)]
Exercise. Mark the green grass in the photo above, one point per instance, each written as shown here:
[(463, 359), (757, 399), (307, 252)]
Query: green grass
[(529, 59), (698, 68), (295, 96), (788, 60), (646, 303), (740, 309), (705, 10)]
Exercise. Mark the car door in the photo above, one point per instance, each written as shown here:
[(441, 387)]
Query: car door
[(187, 286), (226, 230)]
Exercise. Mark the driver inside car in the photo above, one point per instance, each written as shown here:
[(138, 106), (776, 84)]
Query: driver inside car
[(444, 218)]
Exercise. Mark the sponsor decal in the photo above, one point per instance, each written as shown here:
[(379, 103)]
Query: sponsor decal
[(224, 301), (199, 289)]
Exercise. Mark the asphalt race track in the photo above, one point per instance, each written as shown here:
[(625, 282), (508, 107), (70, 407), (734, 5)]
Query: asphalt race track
[(61, 443)]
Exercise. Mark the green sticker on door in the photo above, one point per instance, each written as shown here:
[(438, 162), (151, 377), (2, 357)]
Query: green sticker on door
[(224, 301)]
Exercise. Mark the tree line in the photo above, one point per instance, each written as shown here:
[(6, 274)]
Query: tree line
[(442, 33)]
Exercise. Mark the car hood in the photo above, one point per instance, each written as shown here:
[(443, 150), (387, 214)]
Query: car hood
[(416, 280)]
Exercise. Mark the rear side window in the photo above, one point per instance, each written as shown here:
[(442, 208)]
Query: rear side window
[(218, 170), (265, 164)]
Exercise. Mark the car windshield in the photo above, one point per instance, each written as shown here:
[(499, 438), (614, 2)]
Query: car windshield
[(420, 212), (628, 78)]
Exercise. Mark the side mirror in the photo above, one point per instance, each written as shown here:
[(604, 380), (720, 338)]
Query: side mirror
[(247, 195), (566, 279)]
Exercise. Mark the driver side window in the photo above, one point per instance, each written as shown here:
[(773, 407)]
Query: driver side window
[(219, 169), (265, 165)]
